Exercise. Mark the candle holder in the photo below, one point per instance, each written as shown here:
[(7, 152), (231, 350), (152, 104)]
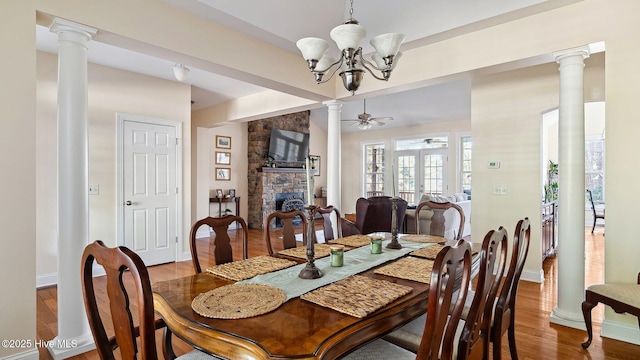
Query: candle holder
[(394, 244), (310, 271)]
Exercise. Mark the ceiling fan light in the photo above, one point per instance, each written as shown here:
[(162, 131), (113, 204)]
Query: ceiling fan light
[(387, 44), (348, 36), (180, 72), (312, 48), (364, 126)]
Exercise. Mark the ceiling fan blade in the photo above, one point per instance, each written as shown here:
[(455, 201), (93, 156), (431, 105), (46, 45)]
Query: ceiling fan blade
[(376, 122), (385, 118)]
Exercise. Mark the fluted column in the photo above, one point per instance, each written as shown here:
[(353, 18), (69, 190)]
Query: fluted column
[(334, 151), (571, 145), (74, 335)]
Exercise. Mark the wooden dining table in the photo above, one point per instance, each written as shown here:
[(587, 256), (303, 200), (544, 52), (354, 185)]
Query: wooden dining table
[(298, 329)]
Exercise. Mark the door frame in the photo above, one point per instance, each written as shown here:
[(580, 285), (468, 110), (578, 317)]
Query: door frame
[(121, 118), (419, 176)]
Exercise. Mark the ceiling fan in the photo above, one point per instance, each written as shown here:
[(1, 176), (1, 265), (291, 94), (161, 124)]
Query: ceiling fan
[(366, 121)]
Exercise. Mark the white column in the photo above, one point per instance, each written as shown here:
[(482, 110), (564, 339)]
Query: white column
[(74, 335), (334, 151), (571, 144)]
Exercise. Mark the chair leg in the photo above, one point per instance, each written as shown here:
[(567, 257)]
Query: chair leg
[(512, 337), (594, 223), (497, 346), (586, 313)]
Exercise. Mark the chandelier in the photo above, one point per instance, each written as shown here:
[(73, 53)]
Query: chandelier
[(348, 36)]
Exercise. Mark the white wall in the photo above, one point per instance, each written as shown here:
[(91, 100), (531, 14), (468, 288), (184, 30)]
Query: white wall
[(110, 91)]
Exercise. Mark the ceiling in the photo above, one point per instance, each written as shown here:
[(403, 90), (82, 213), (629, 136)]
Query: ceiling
[(282, 22)]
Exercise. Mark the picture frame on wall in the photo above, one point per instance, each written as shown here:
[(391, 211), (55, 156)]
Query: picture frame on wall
[(223, 142), (223, 174), (315, 164), (223, 158), (219, 193)]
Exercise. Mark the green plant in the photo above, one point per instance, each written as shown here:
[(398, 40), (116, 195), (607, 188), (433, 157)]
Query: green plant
[(551, 188)]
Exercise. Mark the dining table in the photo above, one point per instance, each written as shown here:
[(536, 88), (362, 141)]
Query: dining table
[(298, 328)]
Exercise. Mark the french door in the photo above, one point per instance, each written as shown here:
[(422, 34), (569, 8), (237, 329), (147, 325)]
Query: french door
[(421, 172)]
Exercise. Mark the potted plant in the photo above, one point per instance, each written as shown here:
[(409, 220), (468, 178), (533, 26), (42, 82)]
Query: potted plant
[(551, 188)]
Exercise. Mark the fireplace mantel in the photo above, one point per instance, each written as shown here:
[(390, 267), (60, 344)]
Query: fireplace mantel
[(284, 170)]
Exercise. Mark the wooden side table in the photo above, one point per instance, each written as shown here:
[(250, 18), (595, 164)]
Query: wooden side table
[(221, 200)]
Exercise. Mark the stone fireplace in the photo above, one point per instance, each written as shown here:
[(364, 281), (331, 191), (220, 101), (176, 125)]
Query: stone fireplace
[(266, 182)]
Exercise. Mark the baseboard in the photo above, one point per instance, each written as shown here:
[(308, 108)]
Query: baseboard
[(533, 276), (51, 279), (620, 331), (32, 354)]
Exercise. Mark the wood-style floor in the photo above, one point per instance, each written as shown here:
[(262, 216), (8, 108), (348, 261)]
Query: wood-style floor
[(536, 337)]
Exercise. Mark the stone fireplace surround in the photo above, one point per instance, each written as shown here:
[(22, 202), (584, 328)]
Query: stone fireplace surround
[(265, 182)]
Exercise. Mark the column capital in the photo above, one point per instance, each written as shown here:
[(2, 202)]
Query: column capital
[(60, 26), (582, 51), (336, 104)]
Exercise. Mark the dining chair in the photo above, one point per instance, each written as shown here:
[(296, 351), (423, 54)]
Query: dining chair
[(438, 223), (474, 328), (504, 312), (288, 230), (222, 251), (437, 340), (596, 214), (327, 224), (120, 262), (373, 215)]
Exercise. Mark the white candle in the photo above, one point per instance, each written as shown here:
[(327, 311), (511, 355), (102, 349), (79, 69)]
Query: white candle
[(309, 197)]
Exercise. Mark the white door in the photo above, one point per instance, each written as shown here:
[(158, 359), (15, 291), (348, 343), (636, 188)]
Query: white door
[(150, 191)]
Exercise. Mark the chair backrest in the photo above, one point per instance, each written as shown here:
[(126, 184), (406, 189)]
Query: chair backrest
[(452, 263), (327, 225), (476, 334), (288, 231), (374, 214), (117, 261), (222, 252), (438, 219), (506, 302), (593, 206)]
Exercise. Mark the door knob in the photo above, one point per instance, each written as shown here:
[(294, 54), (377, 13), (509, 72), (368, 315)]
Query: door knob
[(128, 203)]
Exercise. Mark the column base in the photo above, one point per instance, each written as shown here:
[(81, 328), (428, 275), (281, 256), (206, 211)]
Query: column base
[(66, 348), (568, 319)]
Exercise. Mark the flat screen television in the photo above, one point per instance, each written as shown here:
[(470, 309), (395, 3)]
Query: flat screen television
[(288, 146)]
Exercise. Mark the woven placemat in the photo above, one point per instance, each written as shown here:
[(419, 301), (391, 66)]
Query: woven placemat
[(248, 268), (320, 251), (422, 238), (353, 240), (429, 252), (409, 268), (238, 301), (357, 295)]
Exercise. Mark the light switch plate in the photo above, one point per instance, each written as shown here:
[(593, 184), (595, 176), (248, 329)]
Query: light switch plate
[(500, 190)]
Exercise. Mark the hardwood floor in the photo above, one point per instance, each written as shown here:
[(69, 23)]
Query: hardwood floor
[(536, 337)]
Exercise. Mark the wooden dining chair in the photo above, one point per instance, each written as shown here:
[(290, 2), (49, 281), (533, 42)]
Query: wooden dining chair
[(288, 230), (327, 224), (116, 262), (437, 340), (220, 248), (438, 223), (596, 214), (504, 312), (474, 329)]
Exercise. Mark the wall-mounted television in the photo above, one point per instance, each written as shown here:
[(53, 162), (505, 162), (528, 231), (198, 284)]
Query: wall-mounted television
[(288, 146)]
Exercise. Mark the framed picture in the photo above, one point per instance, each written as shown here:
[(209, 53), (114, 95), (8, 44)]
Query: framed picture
[(232, 193), (219, 193), (223, 142), (223, 158), (315, 163), (223, 174)]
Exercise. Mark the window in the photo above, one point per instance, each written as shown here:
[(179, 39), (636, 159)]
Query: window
[(421, 167), (465, 163), (374, 156), (594, 168)]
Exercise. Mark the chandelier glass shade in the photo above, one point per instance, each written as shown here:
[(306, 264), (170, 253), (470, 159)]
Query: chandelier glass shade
[(352, 64)]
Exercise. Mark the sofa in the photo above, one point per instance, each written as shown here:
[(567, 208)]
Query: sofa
[(452, 218)]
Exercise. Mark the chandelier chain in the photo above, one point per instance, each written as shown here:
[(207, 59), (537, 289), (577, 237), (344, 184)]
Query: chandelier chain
[(351, 10)]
